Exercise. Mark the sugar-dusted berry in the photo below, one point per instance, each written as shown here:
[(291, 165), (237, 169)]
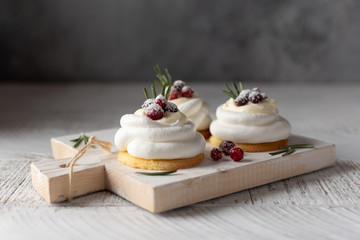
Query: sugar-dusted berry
[(216, 154), (236, 154), (226, 146), (240, 101), (171, 107), (148, 102), (178, 85), (160, 100), (154, 111), (255, 97), (173, 93), (187, 92)]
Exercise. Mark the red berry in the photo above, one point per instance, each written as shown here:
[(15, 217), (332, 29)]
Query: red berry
[(187, 92), (240, 101), (236, 154), (173, 93), (216, 154), (171, 107), (148, 102), (160, 100), (154, 111), (255, 97), (226, 146), (178, 85)]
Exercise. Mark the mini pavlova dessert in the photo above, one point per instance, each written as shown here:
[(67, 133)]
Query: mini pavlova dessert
[(251, 120), (188, 101), (158, 137)]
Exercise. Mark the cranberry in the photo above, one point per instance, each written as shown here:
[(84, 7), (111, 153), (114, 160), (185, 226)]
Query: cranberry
[(173, 93), (236, 154), (244, 94), (154, 111), (256, 89), (255, 97), (148, 102), (216, 154), (240, 101), (187, 92), (226, 146), (160, 100), (178, 85), (171, 107)]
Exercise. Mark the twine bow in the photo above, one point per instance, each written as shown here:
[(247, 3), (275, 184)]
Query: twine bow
[(70, 164)]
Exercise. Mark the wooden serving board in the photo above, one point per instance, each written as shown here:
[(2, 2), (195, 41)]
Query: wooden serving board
[(101, 171)]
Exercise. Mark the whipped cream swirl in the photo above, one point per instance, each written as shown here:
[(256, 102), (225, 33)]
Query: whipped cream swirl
[(244, 125), (196, 110), (145, 138)]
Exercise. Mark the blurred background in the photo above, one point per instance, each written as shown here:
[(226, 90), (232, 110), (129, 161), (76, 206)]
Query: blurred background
[(204, 40)]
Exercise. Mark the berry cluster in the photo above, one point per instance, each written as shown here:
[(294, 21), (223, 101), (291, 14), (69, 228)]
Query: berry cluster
[(180, 89), (247, 95), (155, 108), (227, 148)]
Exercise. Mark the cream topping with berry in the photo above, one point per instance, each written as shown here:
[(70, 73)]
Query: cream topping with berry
[(267, 105), (195, 109), (251, 117), (168, 118), (159, 131)]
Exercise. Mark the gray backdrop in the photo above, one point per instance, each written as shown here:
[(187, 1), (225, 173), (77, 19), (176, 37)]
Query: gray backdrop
[(204, 40)]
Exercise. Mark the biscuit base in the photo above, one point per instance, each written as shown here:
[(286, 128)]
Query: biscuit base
[(158, 164), (253, 147), (206, 133)]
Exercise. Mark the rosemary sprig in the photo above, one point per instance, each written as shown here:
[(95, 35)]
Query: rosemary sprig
[(81, 138), (241, 86), (146, 93), (230, 92), (157, 173), (153, 90), (168, 76), (235, 87), (287, 150)]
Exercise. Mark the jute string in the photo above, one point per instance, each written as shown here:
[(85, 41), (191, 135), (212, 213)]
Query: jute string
[(70, 164)]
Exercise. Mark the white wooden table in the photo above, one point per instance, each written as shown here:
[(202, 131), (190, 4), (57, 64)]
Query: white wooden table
[(320, 205)]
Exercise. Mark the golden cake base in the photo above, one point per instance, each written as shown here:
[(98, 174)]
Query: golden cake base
[(206, 133), (158, 164), (253, 147)]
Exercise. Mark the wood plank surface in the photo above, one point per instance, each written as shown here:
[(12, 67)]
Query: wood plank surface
[(303, 206), (320, 205)]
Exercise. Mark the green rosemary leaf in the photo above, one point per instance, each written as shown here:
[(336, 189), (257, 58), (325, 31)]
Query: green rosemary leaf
[(85, 138), (288, 152), (75, 140), (229, 94), (163, 90), (227, 86), (157, 69), (146, 93), (167, 92), (241, 86), (78, 143), (157, 173), (301, 146), (168, 76), (236, 89), (153, 90), (278, 152), (158, 83)]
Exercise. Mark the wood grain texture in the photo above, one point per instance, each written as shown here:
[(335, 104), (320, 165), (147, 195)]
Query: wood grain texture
[(320, 205), (310, 205)]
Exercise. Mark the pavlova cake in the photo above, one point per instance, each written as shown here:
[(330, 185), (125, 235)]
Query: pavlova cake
[(187, 100), (158, 136), (251, 120)]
